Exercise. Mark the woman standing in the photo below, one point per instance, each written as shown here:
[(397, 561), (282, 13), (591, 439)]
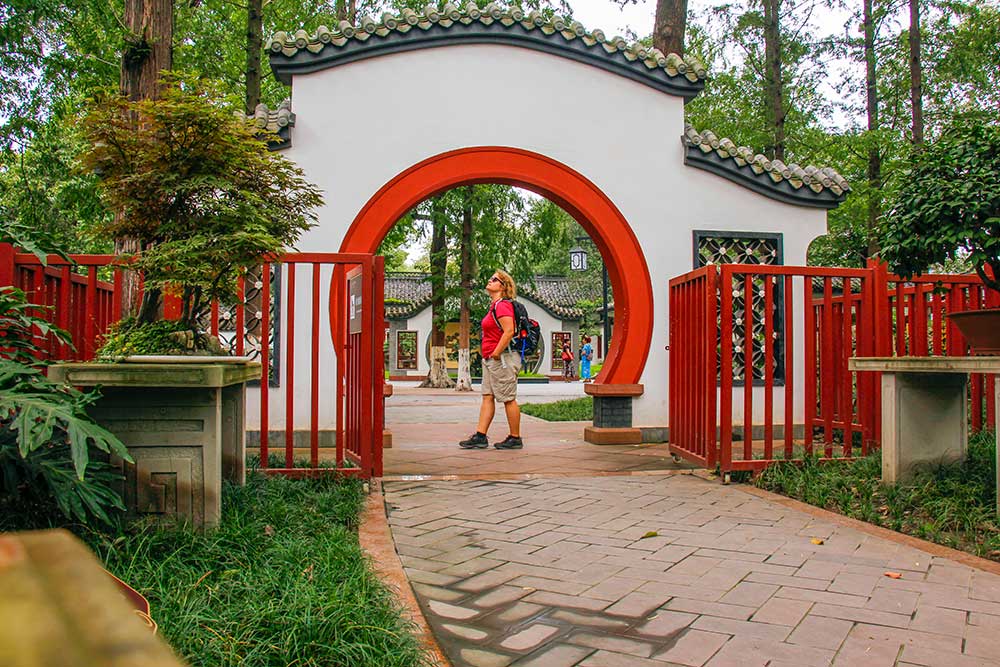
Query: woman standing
[(586, 354), (500, 366), (567, 359)]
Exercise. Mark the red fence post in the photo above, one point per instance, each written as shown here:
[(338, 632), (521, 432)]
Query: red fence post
[(6, 265)]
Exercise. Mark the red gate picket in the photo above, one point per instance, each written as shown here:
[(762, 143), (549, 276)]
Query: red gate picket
[(732, 395), (79, 295)]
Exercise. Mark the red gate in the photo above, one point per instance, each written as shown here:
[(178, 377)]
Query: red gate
[(316, 360), (759, 357)]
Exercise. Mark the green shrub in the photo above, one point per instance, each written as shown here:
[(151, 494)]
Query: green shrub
[(569, 410), (951, 504), (46, 437), (281, 581)]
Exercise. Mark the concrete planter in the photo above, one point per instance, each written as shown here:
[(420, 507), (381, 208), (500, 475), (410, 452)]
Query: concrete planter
[(182, 420)]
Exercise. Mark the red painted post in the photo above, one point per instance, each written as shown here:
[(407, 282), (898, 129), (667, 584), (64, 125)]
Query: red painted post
[(847, 386), (265, 360), (810, 367), (377, 395), (826, 369), (290, 370), (214, 318), (726, 371), (7, 267), (89, 329), (747, 367), (63, 307), (790, 364), (937, 335), (673, 386), (314, 377), (768, 368), (711, 366), (366, 388)]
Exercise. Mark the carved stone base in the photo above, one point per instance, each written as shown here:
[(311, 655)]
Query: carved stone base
[(183, 425)]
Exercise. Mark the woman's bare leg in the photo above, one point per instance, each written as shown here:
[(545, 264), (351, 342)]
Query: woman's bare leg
[(513, 417), (486, 412)]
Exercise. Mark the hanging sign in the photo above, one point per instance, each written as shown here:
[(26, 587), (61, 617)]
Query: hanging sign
[(354, 305)]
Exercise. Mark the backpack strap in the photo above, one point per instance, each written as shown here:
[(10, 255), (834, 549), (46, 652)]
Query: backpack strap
[(493, 312)]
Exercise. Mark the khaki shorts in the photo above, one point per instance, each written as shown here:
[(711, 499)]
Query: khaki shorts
[(500, 376)]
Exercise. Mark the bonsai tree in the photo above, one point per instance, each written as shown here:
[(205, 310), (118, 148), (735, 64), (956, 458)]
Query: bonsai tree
[(948, 206), (196, 192)]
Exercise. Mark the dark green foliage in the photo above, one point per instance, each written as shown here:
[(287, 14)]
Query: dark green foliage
[(129, 337), (569, 410), (948, 204), (197, 191), (46, 438), (281, 581), (952, 504)]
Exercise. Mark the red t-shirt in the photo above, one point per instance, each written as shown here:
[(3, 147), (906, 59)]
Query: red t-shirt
[(491, 332)]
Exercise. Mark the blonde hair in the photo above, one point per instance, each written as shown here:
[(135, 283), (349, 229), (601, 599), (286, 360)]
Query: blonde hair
[(509, 289)]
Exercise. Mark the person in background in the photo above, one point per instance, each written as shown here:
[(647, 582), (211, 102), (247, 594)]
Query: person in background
[(567, 359), (586, 354), (500, 366)]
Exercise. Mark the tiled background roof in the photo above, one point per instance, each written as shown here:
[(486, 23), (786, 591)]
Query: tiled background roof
[(277, 121), (407, 293)]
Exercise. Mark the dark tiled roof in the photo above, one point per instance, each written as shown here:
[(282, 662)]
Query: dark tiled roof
[(819, 187), (278, 122), (301, 52), (407, 293)]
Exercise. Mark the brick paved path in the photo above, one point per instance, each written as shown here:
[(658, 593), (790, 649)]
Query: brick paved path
[(556, 572)]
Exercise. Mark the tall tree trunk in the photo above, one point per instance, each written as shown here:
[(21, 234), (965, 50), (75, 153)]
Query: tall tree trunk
[(147, 52), (255, 38), (669, 24), (438, 375), (774, 87), (916, 76), (874, 154), (464, 367)]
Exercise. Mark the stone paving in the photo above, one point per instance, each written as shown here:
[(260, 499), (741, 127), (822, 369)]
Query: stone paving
[(427, 424), (648, 571)]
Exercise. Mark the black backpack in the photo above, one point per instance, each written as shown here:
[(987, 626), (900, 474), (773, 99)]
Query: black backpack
[(527, 332)]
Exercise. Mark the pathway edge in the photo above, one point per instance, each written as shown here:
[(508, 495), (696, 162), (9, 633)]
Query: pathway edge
[(933, 549), (377, 543)]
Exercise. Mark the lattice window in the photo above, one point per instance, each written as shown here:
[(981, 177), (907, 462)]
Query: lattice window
[(748, 248), (253, 317)]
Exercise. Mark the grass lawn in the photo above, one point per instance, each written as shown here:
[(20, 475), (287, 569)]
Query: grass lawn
[(282, 581), (953, 505), (570, 410)]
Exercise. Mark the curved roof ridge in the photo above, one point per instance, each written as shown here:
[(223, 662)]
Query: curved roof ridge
[(820, 187), (277, 121), (301, 52)]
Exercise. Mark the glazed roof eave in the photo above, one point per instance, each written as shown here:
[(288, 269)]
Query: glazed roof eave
[(300, 52), (814, 187)]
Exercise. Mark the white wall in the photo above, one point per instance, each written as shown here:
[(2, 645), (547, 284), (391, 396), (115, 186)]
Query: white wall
[(359, 125)]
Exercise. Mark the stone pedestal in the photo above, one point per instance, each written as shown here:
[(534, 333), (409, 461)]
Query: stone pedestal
[(183, 424), (924, 410), (924, 422), (612, 414)]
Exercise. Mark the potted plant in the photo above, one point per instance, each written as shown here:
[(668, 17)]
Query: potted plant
[(201, 200), (948, 208)]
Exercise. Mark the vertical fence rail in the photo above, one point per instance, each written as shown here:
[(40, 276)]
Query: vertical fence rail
[(78, 294), (734, 327)]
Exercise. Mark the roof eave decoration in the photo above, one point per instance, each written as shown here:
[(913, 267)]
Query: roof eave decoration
[(278, 123), (301, 53), (816, 187)]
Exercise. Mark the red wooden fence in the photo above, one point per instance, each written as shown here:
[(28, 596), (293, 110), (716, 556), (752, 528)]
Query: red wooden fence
[(805, 323), (78, 299)]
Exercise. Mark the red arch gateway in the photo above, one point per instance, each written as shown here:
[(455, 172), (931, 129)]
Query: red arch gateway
[(579, 197)]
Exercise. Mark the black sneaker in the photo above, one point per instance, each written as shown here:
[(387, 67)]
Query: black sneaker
[(475, 441), (510, 442)]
